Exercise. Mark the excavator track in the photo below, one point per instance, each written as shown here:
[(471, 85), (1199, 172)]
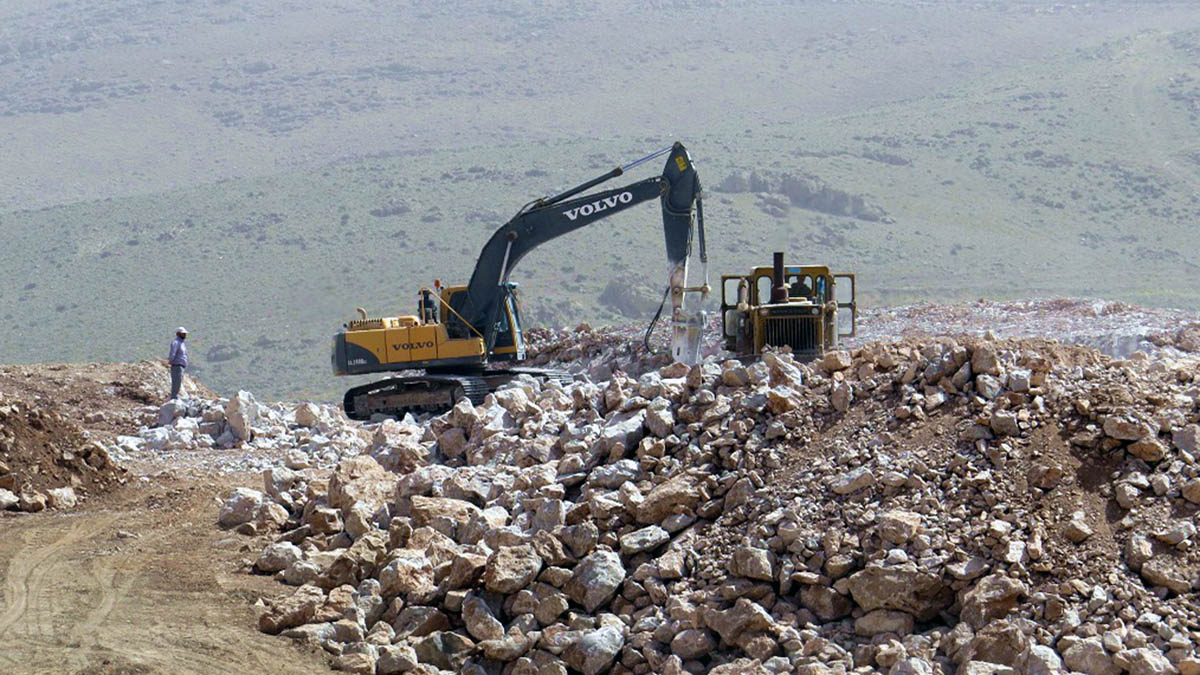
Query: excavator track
[(434, 392), (561, 376)]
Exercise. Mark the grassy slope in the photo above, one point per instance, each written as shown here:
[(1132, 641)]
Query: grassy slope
[(1046, 156)]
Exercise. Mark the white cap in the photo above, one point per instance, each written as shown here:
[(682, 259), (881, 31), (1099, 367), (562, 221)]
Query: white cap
[(181, 329)]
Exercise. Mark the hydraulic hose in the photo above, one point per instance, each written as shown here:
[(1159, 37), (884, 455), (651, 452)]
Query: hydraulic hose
[(654, 321)]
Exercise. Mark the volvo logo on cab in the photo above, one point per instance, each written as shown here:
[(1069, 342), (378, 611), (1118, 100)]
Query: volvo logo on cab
[(598, 205)]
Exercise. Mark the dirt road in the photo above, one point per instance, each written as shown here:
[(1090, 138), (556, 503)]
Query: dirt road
[(140, 581)]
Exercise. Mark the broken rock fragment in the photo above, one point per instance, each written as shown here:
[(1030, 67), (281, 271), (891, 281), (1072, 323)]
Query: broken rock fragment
[(990, 599), (902, 588), (674, 496), (595, 650), (241, 506), (595, 580), (511, 568)]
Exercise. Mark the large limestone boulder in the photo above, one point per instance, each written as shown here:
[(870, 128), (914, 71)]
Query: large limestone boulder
[(407, 572), (595, 650), (426, 509), (677, 495), (308, 415), (241, 506), (1144, 661), (511, 568), (825, 602), (624, 430), (481, 623), (903, 588), (992, 598), (278, 556), (897, 526), (1000, 642), (1125, 428), (882, 621), (595, 580), (62, 498), (985, 359), (744, 617), (1089, 656), (646, 539), (295, 610), (169, 412), (242, 414), (693, 643), (360, 479), (395, 659), (752, 563)]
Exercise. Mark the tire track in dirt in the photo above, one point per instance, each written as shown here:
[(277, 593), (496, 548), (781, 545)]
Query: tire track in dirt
[(77, 598), (104, 577), (26, 574), (115, 577), (83, 637), (28, 607)]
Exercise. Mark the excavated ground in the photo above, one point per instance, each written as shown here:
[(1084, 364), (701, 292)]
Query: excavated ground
[(135, 581), (132, 579)]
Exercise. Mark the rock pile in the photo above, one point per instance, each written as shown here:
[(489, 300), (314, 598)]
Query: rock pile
[(305, 435), (46, 460), (962, 505), (1185, 339), (1115, 328)]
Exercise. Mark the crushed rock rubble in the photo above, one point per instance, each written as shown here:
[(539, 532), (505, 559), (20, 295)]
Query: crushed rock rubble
[(939, 505), (242, 434), (1115, 328)]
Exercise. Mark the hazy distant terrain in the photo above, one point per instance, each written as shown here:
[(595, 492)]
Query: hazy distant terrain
[(255, 170)]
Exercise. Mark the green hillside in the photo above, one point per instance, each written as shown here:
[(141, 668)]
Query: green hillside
[(297, 163)]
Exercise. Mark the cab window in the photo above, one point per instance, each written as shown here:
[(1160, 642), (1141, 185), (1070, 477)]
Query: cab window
[(729, 291), (800, 286), (762, 286)]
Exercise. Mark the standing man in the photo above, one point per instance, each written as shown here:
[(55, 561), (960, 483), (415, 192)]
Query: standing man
[(177, 357)]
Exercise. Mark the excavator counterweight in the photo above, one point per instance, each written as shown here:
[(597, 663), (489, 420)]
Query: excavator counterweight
[(461, 332)]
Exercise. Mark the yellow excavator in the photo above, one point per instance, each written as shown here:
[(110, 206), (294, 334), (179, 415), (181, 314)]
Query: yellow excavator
[(462, 333)]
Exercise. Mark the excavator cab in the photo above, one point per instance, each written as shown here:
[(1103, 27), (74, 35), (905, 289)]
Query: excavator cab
[(787, 306), (510, 342)]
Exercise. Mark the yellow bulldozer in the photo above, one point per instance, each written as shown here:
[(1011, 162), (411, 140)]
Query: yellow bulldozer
[(796, 306)]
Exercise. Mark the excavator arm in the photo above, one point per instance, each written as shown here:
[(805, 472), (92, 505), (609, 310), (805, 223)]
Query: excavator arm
[(678, 189)]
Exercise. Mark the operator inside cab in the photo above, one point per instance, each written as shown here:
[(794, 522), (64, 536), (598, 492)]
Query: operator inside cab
[(799, 287), (428, 307)]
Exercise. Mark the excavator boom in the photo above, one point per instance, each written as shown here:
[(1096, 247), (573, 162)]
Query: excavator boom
[(678, 188)]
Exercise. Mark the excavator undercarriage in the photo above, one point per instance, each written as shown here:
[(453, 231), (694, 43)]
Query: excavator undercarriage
[(435, 392)]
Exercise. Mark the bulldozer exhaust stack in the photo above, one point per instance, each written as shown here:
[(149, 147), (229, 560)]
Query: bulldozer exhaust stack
[(779, 291)]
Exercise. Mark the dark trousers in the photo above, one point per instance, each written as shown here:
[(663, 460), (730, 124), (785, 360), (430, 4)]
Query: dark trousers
[(176, 380)]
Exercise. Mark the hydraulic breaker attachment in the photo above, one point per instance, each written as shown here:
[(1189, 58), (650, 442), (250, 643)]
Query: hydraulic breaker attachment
[(687, 328)]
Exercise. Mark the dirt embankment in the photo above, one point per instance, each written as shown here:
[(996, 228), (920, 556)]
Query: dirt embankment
[(57, 424)]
